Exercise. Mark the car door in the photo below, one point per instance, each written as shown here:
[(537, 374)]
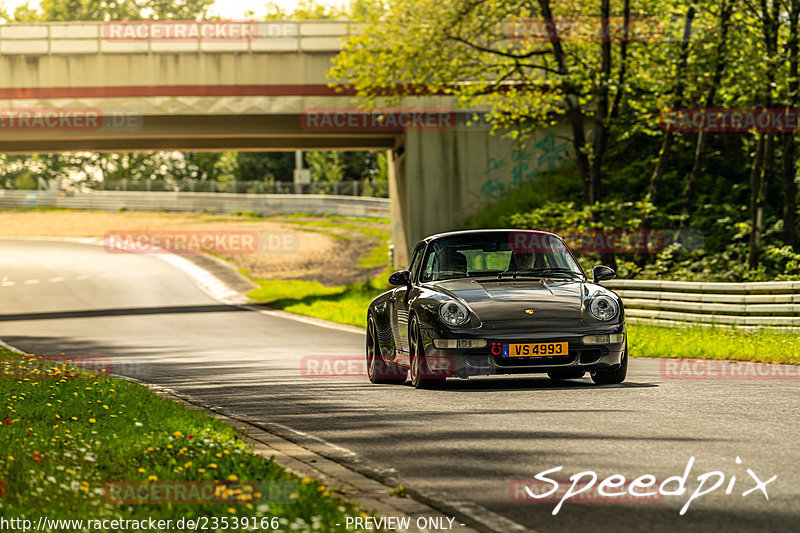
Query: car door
[(399, 302)]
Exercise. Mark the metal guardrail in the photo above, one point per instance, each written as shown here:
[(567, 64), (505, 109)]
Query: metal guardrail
[(112, 37), (679, 303), (265, 204)]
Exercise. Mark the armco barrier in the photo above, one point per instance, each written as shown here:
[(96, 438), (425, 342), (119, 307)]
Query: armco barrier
[(678, 303), (266, 204)]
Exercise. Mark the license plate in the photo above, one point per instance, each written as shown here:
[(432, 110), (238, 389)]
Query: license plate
[(539, 349)]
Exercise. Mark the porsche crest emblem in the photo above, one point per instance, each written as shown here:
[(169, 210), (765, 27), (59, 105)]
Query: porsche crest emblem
[(529, 311)]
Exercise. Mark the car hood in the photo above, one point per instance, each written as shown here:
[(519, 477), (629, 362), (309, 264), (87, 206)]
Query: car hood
[(506, 302)]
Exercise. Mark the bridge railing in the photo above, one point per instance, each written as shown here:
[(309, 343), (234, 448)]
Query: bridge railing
[(379, 189), (774, 305), (263, 204), (372, 188), (125, 37)]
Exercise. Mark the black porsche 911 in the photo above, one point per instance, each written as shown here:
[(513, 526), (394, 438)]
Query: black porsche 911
[(489, 302)]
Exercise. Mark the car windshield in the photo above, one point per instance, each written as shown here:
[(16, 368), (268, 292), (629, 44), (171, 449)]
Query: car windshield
[(499, 254)]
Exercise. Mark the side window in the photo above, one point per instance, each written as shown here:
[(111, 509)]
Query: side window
[(428, 269), (416, 259)]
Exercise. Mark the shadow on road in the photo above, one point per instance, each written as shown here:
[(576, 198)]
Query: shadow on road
[(123, 311)]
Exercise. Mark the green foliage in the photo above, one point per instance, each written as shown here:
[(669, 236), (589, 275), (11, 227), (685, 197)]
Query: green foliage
[(325, 166), (70, 432), (480, 53), (358, 10), (25, 182), (343, 304), (761, 345), (69, 10)]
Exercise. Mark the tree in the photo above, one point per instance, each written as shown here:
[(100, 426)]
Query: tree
[(789, 143), (469, 50), (720, 62), (680, 87), (326, 166)]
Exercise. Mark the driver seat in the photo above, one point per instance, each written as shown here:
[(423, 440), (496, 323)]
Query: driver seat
[(455, 262)]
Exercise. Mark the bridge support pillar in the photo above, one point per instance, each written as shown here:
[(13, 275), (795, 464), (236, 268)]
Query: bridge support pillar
[(438, 178), (398, 205)]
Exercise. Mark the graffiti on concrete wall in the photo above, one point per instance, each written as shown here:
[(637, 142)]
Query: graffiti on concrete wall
[(503, 174)]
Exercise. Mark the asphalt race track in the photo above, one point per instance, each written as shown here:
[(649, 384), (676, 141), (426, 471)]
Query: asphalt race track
[(469, 441)]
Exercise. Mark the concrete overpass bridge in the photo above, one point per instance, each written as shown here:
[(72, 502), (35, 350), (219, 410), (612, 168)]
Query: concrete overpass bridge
[(144, 85)]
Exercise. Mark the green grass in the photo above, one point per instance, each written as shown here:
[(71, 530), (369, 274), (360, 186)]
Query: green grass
[(379, 236), (348, 305), (343, 304), (367, 220), (66, 433), (713, 343)]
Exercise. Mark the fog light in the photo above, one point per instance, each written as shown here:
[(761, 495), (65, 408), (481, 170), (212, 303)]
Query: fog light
[(615, 338), (459, 343)]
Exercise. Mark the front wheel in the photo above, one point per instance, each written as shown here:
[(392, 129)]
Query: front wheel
[(378, 370), (615, 374), (421, 376)]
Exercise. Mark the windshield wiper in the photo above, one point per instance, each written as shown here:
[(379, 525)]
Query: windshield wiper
[(504, 272), (545, 271), (539, 272), (515, 273)]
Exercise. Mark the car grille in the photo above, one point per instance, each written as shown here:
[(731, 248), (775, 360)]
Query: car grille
[(532, 361)]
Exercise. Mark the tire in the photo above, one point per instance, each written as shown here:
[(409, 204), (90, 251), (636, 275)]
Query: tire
[(420, 373), (615, 374), (567, 373), (378, 370)]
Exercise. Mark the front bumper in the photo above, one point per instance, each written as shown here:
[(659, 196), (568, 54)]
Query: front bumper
[(482, 362)]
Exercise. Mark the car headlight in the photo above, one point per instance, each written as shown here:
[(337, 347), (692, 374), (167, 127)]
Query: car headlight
[(603, 308), (453, 313)]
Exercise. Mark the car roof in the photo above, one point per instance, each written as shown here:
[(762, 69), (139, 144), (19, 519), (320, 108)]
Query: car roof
[(485, 231)]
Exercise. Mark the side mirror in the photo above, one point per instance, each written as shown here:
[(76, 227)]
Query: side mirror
[(401, 278), (601, 272)]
